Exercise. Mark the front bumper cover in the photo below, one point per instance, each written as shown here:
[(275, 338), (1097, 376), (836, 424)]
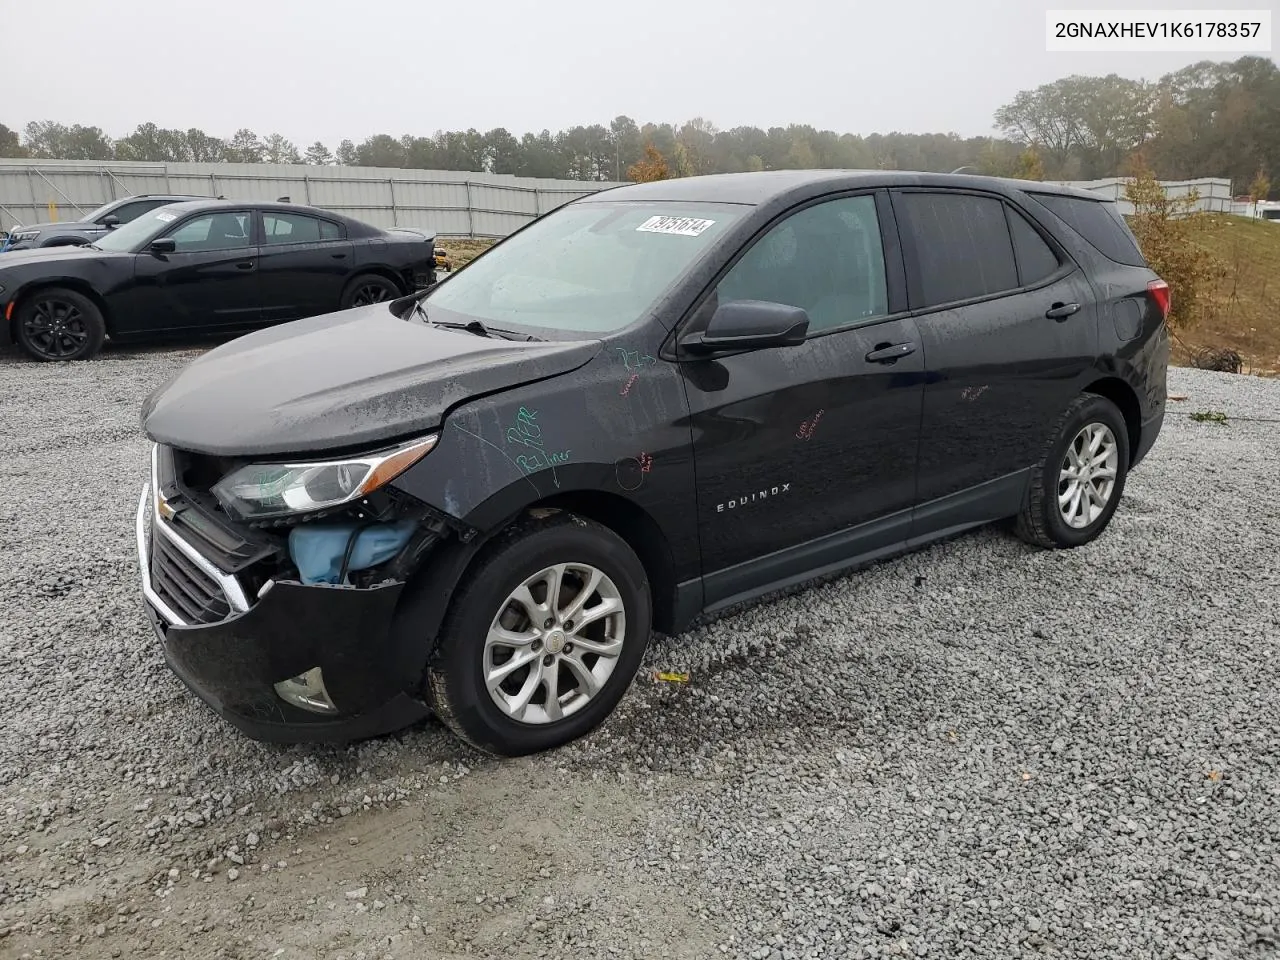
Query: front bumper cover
[(234, 664)]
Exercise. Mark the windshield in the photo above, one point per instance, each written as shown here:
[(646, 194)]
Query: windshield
[(588, 267), (132, 236)]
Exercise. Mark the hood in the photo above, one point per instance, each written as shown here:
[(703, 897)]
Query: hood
[(60, 224), (344, 380), (14, 258)]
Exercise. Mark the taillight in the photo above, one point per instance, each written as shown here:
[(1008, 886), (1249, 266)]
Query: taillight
[(1159, 291)]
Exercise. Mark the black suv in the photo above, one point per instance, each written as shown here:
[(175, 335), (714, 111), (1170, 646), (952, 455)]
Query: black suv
[(650, 403), (75, 233)]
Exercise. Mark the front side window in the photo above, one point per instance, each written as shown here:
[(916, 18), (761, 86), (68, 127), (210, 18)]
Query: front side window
[(214, 231), (591, 267), (826, 259), (963, 247)]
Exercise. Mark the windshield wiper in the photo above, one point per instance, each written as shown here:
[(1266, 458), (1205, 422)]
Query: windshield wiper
[(480, 330)]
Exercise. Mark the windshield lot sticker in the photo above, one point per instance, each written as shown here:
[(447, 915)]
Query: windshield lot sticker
[(528, 434), (166, 217), (679, 226)]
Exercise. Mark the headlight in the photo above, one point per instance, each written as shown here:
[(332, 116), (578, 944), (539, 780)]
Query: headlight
[(260, 490), (23, 236)]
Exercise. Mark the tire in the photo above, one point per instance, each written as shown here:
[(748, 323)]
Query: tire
[(56, 324), (1044, 519), (455, 687), (367, 288)]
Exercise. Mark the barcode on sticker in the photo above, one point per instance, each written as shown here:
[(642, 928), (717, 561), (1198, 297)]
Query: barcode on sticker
[(683, 226)]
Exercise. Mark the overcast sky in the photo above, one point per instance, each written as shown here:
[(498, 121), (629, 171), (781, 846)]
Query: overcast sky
[(334, 69)]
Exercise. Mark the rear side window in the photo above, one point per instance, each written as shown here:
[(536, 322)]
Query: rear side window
[(295, 228), (1036, 259), (1099, 223), (962, 245)]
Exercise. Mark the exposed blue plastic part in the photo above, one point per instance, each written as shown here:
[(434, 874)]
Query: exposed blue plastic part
[(318, 550)]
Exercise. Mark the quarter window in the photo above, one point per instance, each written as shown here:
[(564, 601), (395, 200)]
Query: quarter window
[(215, 231), (1036, 259), (827, 259)]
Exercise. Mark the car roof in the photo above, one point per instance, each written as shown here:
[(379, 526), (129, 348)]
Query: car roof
[(195, 206), (758, 188)]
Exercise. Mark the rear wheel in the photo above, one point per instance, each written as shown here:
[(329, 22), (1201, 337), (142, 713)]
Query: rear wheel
[(368, 288), (59, 324), (542, 639), (1076, 487)]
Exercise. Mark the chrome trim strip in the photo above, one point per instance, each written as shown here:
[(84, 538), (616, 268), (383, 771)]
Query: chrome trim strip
[(230, 586), (144, 561)]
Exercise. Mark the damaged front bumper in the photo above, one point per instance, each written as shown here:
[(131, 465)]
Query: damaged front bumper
[(327, 645)]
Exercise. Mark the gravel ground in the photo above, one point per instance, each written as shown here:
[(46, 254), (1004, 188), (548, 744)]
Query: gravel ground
[(980, 750)]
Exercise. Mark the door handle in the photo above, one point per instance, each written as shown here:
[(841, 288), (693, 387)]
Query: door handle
[(889, 352), (244, 265), (1060, 311), (338, 256)]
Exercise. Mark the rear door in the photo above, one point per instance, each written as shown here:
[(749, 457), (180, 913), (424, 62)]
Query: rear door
[(798, 448), (1009, 326), (304, 262), (210, 282)]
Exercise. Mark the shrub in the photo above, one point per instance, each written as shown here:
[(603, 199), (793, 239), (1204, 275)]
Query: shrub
[(1168, 229)]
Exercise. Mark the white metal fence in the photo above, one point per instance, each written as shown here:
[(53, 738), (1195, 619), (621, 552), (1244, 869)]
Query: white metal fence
[(451, 203), (1213, 193)]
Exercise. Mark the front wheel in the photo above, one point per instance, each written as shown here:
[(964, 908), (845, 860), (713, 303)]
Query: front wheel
[(1076, 487), (368, 288), (59, 324), (543, 637)]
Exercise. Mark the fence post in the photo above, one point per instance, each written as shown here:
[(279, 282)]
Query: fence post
[(471, 217), (213, 184), (306, 188), (35, 201), (395, 211)]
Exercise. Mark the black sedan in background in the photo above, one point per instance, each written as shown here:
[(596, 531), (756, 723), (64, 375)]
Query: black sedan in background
[(206, 267)]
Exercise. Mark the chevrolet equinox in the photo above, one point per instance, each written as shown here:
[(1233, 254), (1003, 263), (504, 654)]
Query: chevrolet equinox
[(649, 404)]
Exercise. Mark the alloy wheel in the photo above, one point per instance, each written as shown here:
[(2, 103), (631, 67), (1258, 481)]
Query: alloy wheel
[(55, 329), (370, 293), (554, 643), (1088, 475)]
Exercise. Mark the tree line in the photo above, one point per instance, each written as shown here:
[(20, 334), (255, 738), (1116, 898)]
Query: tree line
[(1208, 119)]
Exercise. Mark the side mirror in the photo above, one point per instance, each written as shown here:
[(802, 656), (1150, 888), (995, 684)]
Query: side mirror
[(750, 325), (163, 245), (111, 221)]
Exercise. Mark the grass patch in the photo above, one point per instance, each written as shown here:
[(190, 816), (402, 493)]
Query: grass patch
[(1240, 311), (462, 251)]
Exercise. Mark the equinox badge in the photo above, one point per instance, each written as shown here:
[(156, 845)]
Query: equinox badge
[(746, 498)]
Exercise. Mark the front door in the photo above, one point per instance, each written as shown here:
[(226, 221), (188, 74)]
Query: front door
[(797, 449), (210, 282), (1009, 326)]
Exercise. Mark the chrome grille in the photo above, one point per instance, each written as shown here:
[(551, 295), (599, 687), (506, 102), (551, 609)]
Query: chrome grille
[(186, 589)]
